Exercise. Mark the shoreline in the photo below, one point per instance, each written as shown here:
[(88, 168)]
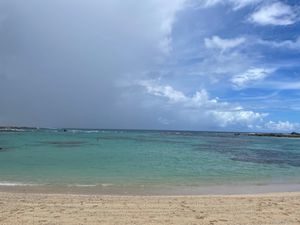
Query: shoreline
[(42, 209), (111, 190), (89, 196)]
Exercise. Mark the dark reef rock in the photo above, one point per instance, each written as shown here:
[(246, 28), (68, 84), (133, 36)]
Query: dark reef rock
[(3, 149), (291, 135)]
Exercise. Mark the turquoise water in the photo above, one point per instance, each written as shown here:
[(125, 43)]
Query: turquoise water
[(120, 157)]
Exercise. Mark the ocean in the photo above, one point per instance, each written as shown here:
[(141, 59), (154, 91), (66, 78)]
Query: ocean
[(148, 159)]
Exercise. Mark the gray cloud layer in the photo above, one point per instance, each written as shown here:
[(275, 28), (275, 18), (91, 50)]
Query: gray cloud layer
[(59, 60)]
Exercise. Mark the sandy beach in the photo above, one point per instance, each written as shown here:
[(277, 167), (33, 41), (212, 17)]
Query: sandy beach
[(56, 209)]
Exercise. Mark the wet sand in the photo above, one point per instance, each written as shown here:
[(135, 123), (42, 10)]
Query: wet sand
[(156, 190), (70, 209)]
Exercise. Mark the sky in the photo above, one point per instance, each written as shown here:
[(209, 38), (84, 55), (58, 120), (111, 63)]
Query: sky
[(218, 65)]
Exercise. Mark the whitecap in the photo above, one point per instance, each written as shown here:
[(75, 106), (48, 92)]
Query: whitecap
[(6, 183), (83, 185), (106, 185)]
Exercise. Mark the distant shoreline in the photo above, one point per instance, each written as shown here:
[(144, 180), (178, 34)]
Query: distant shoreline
[(257, 134), (290, 135)]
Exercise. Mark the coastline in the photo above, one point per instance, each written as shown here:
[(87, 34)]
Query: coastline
[(152, 190), (205, 178), (42, 209)]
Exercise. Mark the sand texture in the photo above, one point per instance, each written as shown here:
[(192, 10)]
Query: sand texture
[(59, 209)]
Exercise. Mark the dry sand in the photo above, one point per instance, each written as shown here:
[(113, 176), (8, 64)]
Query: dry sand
[(59, 209)]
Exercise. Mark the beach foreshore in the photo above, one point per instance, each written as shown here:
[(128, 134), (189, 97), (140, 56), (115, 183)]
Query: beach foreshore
[(71, 209), (150, 190)]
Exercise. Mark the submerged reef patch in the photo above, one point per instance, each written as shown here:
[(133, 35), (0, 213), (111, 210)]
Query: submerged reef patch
[(66, 143), (2, 149), (241, 151)]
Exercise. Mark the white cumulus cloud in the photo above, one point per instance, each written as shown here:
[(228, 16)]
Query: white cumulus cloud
[(286, 44), (226, 118), (223, 44), (250, 76), (283, 126), (237, 4), (164, 91), (276, 13), (167, 11), (200, 107)]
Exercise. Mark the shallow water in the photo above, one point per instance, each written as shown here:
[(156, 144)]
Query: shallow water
[(118, 158)]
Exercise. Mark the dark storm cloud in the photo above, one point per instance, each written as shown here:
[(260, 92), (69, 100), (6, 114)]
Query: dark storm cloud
[(60, 60)]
